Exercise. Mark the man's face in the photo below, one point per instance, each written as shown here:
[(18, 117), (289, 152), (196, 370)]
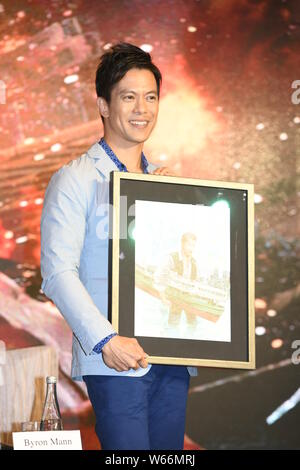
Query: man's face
[(188, 247), (132, 112)]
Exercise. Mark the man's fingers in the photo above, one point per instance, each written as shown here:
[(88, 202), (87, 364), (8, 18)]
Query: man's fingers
[(163, 171), (140, 361), (143, 362)]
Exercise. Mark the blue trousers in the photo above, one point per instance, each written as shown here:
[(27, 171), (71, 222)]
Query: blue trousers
[(146, 413)]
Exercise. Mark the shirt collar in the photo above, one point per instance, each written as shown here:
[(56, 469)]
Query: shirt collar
[(109, 151), (102, 161), (104, 164)]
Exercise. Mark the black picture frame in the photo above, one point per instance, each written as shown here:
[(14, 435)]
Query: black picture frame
[(132, 191)]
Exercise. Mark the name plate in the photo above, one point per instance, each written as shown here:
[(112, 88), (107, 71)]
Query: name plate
[(47, 440)]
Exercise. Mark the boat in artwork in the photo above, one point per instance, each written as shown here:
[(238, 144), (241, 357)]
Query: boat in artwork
[(194, 297)]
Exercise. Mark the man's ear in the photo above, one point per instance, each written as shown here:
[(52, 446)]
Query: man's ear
[(103, 107)]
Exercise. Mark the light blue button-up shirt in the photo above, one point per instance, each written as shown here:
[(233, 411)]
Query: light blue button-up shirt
[(74, 256)]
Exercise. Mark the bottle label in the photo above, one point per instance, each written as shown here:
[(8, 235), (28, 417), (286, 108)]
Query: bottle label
[(51, 425)]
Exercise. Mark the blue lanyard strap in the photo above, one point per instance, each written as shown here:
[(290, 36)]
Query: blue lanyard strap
[(108, 150)]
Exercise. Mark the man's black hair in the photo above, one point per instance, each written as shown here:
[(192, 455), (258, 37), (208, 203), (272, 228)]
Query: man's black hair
[(116, 62)]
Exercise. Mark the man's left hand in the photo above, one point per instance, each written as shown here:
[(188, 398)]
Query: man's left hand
[(164, 171)]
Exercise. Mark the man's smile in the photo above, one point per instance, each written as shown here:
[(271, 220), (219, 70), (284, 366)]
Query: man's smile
[(139, 124)]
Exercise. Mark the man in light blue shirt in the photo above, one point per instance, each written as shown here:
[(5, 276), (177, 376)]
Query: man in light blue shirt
[(137, 406)]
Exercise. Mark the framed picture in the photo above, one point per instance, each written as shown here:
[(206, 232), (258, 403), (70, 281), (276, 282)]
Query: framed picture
[(182, 268)]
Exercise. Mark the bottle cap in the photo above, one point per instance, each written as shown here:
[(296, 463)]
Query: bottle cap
[(51, 380)]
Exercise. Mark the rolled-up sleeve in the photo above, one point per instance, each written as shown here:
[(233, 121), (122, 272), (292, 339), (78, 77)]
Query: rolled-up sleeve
[(63, 226)]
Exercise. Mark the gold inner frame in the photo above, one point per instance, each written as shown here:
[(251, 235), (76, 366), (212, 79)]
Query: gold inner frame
[(249, 188)]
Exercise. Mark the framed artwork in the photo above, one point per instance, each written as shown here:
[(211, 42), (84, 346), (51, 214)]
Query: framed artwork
[(182, 268)]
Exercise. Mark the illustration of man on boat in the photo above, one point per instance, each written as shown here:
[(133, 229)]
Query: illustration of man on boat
[(177, 284)]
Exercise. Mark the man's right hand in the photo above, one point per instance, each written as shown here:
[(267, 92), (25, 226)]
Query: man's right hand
[(122, 353)]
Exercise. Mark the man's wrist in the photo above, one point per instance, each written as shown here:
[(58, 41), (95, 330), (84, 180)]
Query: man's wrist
[(99, 346)]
